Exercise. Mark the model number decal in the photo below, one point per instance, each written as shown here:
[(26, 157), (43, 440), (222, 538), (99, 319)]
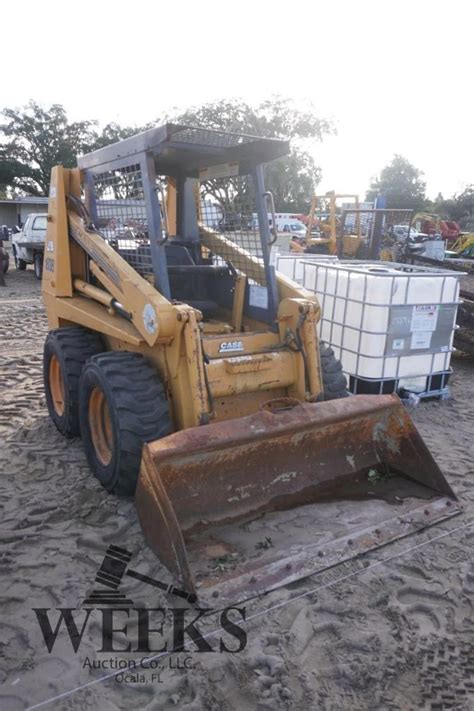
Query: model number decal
[(227, 346)]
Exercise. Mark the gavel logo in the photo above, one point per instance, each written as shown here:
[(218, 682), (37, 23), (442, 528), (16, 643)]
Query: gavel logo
[(111, 573)]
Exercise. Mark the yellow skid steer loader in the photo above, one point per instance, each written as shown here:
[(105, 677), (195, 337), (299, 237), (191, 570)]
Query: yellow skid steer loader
[(195, 377)]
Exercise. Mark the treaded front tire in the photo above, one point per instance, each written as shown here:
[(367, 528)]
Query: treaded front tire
[(334, 380), (65, 352), (123, 404)]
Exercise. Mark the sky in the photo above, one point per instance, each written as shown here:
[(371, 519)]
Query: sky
[(395, 77)]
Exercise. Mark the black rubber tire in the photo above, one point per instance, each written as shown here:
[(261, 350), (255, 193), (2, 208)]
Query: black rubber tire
[(20, 264), (334, 380), (38, 265), (72, 348), (139, 412)]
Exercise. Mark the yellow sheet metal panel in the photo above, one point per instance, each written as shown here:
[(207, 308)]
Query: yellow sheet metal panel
[(238, 305), (239, 343), (85, 312), (57, 259), (263, 372)]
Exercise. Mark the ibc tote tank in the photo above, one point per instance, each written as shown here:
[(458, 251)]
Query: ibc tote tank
[(390, 324)]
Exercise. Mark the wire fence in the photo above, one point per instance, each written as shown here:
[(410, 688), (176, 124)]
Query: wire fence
[(121, 215), (388, 227), (228, 208)]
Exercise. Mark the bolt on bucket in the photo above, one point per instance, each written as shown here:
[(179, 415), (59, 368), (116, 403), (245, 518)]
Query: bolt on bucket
[(237, 508)]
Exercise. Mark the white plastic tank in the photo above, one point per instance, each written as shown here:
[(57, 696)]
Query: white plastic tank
[(292, 265), (386, 320)]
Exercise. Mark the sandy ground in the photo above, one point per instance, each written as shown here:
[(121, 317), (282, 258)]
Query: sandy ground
[(370, 634)]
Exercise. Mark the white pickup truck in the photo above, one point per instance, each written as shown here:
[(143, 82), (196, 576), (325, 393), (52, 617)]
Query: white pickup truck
[(28, 244)]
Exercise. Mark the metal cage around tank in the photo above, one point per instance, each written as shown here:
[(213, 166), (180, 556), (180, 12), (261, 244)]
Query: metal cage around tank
[(348, 324)]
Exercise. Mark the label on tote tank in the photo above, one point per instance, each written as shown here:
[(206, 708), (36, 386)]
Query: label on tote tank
[(421, 339), (424, 328), (424, 318)]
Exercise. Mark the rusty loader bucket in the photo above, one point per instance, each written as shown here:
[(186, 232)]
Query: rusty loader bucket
[(238, 508)]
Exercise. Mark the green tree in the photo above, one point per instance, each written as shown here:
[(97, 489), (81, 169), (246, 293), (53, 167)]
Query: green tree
[(463, 209), (459, 207), (401, 183), (35, 138), (292, 179)]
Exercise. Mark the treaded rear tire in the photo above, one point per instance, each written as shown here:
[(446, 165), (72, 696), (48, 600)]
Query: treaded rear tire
[(334, 380), (137, 411), (71, 347)]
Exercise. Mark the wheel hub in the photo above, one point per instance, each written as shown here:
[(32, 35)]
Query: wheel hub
[(100, 426), (56, 385)]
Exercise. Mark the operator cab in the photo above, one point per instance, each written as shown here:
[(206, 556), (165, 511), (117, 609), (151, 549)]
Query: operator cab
[(178, 203)]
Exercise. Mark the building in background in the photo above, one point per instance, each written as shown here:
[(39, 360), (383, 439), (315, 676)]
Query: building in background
[(14, 211)]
